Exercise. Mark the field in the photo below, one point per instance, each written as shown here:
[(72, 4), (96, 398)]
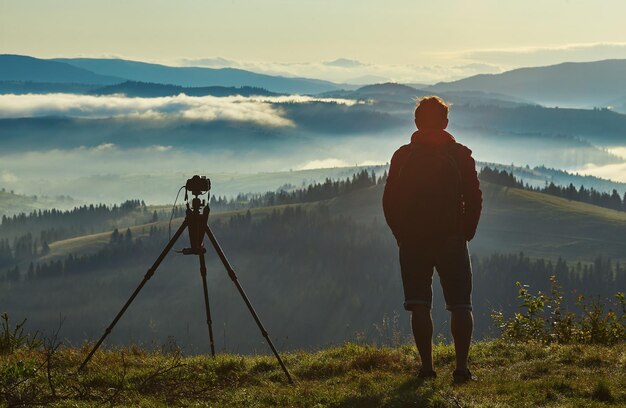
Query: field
[(352, 375)]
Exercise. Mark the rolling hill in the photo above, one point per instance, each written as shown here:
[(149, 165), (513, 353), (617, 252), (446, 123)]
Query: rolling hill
[(323, 274), (513, 220), (580, 84), (402, 94)]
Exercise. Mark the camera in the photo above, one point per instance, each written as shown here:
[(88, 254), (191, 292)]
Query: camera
[(198, 185)]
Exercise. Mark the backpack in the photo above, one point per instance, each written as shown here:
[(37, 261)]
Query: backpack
[(430, 192)]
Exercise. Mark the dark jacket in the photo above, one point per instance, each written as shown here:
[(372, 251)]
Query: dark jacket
[(471, 194)]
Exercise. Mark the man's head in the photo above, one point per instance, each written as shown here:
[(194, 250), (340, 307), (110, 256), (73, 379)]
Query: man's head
[(431, 113)]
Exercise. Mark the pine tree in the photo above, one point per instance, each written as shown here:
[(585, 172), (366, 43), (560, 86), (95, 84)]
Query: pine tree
[(115, 236), (30, 275)]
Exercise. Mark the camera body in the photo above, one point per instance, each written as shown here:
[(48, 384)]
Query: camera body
[(198, 185)]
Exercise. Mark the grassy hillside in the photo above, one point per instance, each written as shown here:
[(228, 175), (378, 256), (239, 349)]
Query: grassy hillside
[(516, 220), (513, 220), (91, 243), (352, 375)]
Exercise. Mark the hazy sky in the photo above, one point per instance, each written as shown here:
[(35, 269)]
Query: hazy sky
[(272, 34)]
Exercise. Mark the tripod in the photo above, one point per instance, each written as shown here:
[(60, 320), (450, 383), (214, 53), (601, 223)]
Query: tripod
[(196, 222)]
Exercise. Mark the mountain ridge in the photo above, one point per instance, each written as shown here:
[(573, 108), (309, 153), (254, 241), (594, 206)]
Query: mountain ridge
[(25, 68), (568, 83), (198, 76)]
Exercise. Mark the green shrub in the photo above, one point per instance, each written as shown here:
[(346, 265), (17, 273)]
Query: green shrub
[(544, 318)]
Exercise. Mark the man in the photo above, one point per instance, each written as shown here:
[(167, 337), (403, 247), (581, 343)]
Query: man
[(432, 203)]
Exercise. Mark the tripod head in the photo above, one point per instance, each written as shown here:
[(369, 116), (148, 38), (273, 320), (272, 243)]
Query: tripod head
[(196, 186), (197, 213)]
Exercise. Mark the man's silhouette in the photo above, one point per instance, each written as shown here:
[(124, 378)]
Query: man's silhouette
[(432, 203)]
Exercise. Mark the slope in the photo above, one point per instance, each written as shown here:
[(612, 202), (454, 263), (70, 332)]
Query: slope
[(515, 220)]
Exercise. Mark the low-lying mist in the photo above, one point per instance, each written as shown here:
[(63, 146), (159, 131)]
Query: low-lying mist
[(112, 148), (111, 173)]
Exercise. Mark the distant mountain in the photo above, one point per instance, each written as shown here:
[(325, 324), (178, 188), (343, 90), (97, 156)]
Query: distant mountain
[(601, 127), (580, 84), (149, 90), (417, 85), (23, 68), (406, 94), (386, 92), (196, 76), (389, 88)]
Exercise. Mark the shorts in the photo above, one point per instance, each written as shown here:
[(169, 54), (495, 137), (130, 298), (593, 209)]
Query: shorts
[(451, 259)]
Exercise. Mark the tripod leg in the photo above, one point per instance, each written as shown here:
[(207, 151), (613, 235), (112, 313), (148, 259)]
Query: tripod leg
[(233, 277), (147, 276), (209, 322)]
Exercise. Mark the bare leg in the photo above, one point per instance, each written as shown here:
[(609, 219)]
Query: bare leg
[(422, 325), (462, 325)]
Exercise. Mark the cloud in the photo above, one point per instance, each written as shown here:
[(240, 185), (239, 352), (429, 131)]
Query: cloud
[(261, 110), (615, 171), (8, 177), (323, 164), (350, 71), (618, 151), (104, 146), (334, 162)]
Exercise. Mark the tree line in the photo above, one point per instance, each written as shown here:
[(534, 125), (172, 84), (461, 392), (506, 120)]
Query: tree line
[(289, 195), (27, 236), (59, 224), (570, 192)]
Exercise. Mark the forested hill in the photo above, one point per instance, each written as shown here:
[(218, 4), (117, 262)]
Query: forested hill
[(333, 261), (514, 219), (151, 90)]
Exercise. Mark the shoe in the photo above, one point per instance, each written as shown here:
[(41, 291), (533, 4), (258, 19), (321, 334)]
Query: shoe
[(425, 374), (461, 377)]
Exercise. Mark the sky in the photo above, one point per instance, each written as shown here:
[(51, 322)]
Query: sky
[(340, 40)]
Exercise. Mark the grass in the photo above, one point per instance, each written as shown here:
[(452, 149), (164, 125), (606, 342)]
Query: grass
[(351, 375)]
